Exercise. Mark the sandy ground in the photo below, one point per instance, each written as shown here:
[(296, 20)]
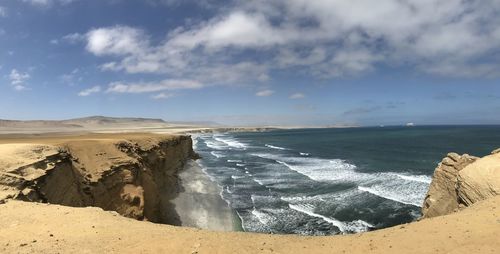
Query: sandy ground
[(59, 138), (41, 228), (199, 203)]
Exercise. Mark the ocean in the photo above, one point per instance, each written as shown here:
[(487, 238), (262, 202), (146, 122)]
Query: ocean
[(333, 181)]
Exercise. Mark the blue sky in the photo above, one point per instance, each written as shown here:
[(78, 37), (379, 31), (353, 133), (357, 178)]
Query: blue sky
[(293, 62)]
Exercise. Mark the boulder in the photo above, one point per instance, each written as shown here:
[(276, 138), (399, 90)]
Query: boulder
[(442, 196), (460, 181), (480, 180)]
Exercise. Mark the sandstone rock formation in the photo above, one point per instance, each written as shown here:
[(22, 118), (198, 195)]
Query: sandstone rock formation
[(461, 180), (135, 176), (480, 180)]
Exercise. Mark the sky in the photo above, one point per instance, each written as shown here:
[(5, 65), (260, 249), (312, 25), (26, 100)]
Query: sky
[(253, 62)]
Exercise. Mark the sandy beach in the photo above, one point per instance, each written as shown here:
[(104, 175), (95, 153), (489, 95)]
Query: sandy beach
[(199, 203)]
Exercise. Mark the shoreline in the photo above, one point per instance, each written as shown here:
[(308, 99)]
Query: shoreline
[(199, 203)]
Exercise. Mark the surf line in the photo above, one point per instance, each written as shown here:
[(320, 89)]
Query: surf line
[(334, 222)]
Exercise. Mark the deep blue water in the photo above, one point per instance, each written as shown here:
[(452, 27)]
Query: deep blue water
[(331, 181)]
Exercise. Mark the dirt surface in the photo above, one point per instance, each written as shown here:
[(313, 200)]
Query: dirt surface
[(42, 228)]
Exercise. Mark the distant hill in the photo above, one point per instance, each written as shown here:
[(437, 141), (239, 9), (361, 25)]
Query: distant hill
[(85, 122), (103, 120), (196, 123), (36, 124)]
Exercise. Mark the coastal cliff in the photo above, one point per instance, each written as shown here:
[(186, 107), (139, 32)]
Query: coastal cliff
[(135, 176), (460, 181)]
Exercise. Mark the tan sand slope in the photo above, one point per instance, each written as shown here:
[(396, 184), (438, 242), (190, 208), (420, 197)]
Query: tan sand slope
[(32, 227), (101, 124)]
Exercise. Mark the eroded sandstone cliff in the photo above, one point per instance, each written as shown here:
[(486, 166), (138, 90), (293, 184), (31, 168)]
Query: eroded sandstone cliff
[(135, 176), (460, 181)]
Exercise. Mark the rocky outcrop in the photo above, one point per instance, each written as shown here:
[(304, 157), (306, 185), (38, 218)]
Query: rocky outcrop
[(461, 180), (136, 177), (480, 180)]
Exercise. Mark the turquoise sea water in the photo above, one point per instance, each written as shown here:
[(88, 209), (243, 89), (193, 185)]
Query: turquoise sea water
[(331, 181)]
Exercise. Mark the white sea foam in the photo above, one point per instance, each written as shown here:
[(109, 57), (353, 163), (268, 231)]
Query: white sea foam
[(258, 181), (384, 193), (216, 154), (416, 178), (309, 210), (406, 189), (204, 169), (399, 187), (322, 170), (240, 164), (234, 161), (276, 147), (195, 141), (327, 197), (214, 145), (262, 217), (230, 142), (358, 226)]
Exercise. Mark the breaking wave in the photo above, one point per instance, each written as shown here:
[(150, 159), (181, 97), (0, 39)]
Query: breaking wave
[(276, 147)]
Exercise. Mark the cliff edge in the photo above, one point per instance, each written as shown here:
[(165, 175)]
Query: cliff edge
[(460, 181), (134, 175)]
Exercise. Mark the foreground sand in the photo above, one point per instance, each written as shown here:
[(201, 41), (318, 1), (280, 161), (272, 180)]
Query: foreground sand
[(42, 228)]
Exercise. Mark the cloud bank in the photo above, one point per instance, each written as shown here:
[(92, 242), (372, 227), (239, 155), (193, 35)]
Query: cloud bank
[(89, 91), (248, 41)]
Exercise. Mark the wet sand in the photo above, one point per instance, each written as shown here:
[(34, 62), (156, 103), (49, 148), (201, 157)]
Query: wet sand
[(199, 203)]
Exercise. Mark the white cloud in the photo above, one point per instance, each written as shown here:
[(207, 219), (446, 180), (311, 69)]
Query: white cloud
[(71, 78), (46, 3), (239, 29), (89, 91), (118, 40), (203, 3), (149, 87), (3, 11), (18, 79), (321, 38), (74, 37), (162, 96), (264, 93), (297, 96)]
